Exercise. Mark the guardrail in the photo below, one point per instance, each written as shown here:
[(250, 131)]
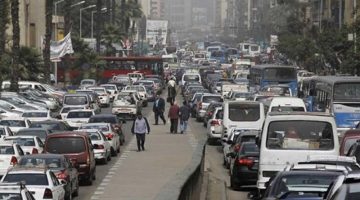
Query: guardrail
[(187, 184)]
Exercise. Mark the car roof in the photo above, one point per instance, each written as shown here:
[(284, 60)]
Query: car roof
[(34, 129), (95, 124), (43, 155), (103, 115), (48, 122), (32, 170), (68, 134), (299, 113)]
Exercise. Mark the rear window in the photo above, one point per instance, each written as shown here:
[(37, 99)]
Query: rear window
[(65, 145), (82, 114), (30, 179), (67, 109), (94, 136), (40, 133), (99, 127), (287, 109), (35, 114), (75, 100), (109, 87), (244, 112), (208, 99), (110, 120), (27, 142), (13, 123), (7, 150), (33, 162), (250, 148), (191, 78), (47, 126)]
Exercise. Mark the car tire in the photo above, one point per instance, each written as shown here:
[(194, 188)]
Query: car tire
[(94, 175), (89, 181), (109, 157), (113, 152), (104, 161)]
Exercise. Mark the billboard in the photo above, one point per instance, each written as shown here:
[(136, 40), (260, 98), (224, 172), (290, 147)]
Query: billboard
[(156, 32)]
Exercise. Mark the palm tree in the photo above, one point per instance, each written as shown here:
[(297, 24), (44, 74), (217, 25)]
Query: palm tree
[(129, 10), (112, 34), (99, 24), (48, 32), (16, 46), (4, 20)]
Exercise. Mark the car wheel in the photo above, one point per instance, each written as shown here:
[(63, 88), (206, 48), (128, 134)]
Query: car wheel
[(113, 152), (94, 175), (89, 181), (109, 157), (104, 161)]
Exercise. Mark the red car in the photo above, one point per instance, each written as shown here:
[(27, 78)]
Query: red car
[(349, 138)]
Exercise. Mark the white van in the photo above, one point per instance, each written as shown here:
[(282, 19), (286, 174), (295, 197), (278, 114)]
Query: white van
[(192, 77), (287, 104), (288, 138), (242, 114)]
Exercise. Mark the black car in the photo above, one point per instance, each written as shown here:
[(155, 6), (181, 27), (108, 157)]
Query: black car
[(52, 125), (245, 165), (300, 184), (113, 120)]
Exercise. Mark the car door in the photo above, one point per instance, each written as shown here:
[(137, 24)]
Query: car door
[(57, 189)]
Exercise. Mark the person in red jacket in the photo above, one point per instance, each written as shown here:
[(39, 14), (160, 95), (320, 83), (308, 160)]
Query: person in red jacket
[(174, 117)]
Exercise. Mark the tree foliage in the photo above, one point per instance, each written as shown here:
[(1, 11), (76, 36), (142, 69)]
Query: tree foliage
[(15, 46)]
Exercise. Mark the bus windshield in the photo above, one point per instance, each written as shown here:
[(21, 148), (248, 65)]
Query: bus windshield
[(217, 54), (347, 91), (280, 74)]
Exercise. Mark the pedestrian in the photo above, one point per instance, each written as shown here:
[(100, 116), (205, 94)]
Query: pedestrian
[(174, 117), (140, 128), (158, 109), (184, 114), (171, 90)]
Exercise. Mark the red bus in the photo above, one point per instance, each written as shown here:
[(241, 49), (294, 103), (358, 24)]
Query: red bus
[(111, 66)]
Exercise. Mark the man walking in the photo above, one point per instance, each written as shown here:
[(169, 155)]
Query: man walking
[(174, 117), (140, 128), (158, 109), (184, 116)]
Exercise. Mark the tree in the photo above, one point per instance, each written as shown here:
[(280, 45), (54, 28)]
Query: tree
[(112, 34), (4, 20), (67, 16), (48, 33), (99, 23), (31, 64), (14, 87)]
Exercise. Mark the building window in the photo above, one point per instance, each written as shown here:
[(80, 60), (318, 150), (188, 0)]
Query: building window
[(32, 35)]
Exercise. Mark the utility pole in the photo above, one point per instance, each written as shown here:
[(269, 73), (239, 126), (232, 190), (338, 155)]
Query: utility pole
[(340, 13), (320, 14)]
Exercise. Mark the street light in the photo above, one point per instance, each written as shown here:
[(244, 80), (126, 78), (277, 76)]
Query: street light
[(57, 18), (81, 9), (92, 21)]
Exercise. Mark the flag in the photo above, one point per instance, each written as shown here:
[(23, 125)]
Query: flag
[(59, 49)]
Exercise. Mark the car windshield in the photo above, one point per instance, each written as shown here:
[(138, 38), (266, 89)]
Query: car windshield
[(191, 77), (99, 91), (347, 91), (99, 127), (87, 83), (48, 126), (36, 161), (109, 87), (137, 88), (65, 145), (287, 109), (300, 135), (244, 112), (75, 100), (276, 90), (35, 114), (10, 196), (7, 150), (79, 114), (40, 133), (67, 109), (298, 183), (208, 99), (94, 136), (111, 120), (278, 74), (28, 178), (13, 123)]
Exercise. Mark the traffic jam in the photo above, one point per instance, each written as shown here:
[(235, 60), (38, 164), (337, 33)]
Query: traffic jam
[(284, 132), (53, 141)]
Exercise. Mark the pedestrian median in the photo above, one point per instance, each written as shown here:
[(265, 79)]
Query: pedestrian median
[(148, 174)]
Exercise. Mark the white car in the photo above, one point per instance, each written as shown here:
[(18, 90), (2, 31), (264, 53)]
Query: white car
[(87, 83), (112, 88), (109, 132), (75, 118), (37, 115), (42, 183), (9, 156), (139, 88), (7, 112), (65, 110), (5, 131), (15, 191), (102, 148), (15, 123), (126, 105), (29, 144), (214, 126), (104, 96)]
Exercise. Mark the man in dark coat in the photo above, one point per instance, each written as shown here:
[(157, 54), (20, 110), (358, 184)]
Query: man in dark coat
[(158, 109)]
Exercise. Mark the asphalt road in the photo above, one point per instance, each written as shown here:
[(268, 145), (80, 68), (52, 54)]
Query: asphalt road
[(86, 192)]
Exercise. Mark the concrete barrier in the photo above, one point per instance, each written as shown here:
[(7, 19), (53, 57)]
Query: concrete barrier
[(186, 185)]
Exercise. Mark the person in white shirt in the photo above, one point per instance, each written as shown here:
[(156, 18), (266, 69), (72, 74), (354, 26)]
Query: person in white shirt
[(140, 128)]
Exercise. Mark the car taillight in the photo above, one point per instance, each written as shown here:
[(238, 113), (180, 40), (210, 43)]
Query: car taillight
[(110, 136), (13, 160), (214, 122), (237, 147), (100, 146), (34, 151), (62, 175), (48, 194), (246, 162)]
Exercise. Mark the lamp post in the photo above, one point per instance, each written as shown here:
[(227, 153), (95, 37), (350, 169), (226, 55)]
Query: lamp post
[(81, 9), (57, 19), (92, 20)]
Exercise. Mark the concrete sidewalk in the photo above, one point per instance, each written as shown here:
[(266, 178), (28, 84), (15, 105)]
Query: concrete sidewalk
[(142, 175)]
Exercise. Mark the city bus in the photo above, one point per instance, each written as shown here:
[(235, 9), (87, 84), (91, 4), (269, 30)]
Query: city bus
[(266, 75), (108, 67), (337, 95)]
